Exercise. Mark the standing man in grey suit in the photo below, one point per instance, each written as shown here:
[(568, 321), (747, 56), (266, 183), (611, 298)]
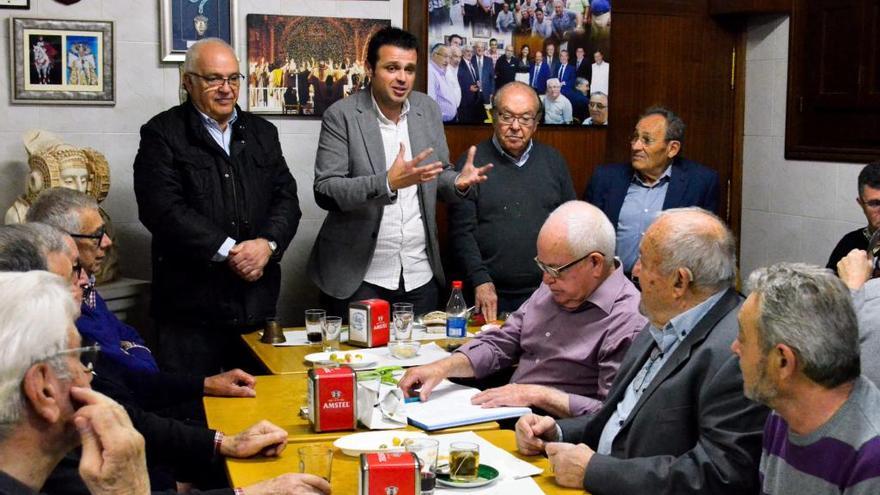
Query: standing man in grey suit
[(382, 159), (675, 420)]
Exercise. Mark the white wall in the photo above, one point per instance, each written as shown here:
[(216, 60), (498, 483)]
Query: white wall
[(145, 87), (792, 210)]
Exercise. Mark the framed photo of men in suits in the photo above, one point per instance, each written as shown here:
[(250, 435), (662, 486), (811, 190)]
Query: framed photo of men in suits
[(489, 43)]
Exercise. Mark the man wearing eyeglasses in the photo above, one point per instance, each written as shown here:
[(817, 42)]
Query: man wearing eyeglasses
[(598, 109), (570, 335), (493, 236), (656, 179), (214, 190), (675, 420), (869, 201), (46, 406)]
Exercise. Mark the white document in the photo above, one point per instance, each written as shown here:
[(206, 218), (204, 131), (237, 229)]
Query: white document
[(514, 474), (450, 405)]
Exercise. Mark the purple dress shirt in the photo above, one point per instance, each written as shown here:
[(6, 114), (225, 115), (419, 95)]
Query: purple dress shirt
[(577, 352)]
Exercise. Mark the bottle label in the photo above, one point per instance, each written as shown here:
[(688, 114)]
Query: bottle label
[(456, 327)]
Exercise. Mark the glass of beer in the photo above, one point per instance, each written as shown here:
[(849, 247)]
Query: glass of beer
[(464, 461), (314, 325)]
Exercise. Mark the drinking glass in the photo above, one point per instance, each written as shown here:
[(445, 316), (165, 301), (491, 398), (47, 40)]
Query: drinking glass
[(426, 449), (464, 461), (403, 325), (398, 306), (317, 460), (314, 324), (332, 327)]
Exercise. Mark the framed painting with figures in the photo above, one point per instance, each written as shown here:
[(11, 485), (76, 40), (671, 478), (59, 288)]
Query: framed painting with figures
[(183, 22), (61, 61)]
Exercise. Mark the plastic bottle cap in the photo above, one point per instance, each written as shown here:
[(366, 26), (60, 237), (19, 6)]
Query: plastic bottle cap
[(456, 284)]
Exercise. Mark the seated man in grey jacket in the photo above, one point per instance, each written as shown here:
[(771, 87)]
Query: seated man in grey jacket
[(676, 420)]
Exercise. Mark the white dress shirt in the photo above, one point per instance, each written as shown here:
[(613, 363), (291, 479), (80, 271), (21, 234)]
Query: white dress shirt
[(599, 84), (401, 242)]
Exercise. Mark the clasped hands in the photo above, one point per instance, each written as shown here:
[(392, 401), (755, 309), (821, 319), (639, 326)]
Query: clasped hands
[(404, 173), (248, 258), (537, 434)]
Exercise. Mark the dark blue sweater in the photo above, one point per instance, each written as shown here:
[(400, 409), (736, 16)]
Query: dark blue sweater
[(100, 325)]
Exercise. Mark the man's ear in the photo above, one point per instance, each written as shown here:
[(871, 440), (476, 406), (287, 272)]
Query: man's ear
[(786, 361), (683, 280), (672, 149), (41, 391)]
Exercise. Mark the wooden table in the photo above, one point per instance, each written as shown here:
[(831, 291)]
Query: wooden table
[(279, 398), (285, 360), (344, 478)]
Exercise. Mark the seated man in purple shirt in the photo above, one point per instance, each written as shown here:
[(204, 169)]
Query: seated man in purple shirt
[(568, 337)]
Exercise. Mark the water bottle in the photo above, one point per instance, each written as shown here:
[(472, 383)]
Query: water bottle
[(456, 313)]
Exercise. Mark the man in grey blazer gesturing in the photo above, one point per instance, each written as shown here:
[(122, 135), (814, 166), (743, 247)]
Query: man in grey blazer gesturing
[(382, 159), (675, 420)]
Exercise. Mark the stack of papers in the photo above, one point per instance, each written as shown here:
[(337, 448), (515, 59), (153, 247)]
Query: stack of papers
[(450, 405), (515, 474)]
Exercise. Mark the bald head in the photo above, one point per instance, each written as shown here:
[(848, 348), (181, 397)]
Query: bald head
[(696, 240), (204, 47), (581, 228)]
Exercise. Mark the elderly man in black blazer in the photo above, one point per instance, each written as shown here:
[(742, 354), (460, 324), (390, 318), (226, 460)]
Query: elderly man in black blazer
[(676, 420), (657, 178)]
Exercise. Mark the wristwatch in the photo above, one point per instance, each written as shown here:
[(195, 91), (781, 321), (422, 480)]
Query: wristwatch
[(273, 246)]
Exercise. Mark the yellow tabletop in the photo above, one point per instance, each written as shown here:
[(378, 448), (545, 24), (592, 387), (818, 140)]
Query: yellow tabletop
[(344, 478), (285, 359), (279, 399), (288, 359)]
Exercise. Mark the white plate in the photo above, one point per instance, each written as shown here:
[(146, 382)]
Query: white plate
[(365, 361), (371, 441)]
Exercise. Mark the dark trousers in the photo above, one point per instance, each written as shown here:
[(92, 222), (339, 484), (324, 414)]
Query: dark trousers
[(423, 299), (198, 350)]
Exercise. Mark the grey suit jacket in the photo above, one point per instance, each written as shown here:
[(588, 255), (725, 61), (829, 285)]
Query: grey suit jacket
[(692, 431), (350, 183)]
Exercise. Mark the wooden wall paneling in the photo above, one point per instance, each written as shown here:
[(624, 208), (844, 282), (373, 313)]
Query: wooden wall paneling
[(749, 7)]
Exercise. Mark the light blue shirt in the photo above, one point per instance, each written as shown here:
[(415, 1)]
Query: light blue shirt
[(667, 341), (640, 207), (222, 138), (519, 162)]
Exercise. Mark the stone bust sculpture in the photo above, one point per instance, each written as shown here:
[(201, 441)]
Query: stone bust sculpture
[(54, 163)]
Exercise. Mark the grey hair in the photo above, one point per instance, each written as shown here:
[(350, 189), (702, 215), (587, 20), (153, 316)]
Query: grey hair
[(554, 81), (674, 125), (54, 240), (810, 310), (191, 59), (60, 208), (580, 80), (709, 255), (20, 250), (588, 229), (36, 311)]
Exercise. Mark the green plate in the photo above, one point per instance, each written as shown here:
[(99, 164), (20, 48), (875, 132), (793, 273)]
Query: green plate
[(485, 474)]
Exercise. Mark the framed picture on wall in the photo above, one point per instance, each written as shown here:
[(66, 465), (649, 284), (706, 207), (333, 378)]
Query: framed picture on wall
[(299, 66), (15, 4), (183, 22), (61, 62), (561, 49)]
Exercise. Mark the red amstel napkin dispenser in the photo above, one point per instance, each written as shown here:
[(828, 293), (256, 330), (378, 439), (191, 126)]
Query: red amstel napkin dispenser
[(332, 399), (389, 473), (369, 323)]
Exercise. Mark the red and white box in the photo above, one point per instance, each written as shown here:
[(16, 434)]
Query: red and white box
[(332, 399), (369, 323), (391, 473)]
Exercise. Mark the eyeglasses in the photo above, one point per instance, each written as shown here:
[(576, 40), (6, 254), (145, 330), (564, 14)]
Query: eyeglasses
[(524, 120), (871, 203), (556, 272), (596, 104), (88, 355), (218, 81), (97, 236), (76, 271)]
